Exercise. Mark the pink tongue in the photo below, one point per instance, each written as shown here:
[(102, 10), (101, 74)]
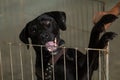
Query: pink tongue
[(51, 46)]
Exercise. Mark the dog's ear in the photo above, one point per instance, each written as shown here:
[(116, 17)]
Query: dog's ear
[(60, 18), (24, 35)]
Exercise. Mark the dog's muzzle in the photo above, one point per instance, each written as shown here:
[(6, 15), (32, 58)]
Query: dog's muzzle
[(50, 41), (51, 46)]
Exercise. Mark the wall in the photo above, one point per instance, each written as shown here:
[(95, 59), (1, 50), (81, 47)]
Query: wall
[(14, 14)]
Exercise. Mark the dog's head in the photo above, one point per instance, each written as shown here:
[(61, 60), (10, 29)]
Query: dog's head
[(45, 30)]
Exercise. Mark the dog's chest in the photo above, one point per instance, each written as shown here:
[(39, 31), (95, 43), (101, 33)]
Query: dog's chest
[(60, 69)]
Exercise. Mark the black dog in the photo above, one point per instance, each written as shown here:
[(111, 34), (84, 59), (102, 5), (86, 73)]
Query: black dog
[(45, 30)]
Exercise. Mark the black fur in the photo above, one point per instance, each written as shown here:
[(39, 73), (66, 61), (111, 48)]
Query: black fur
[(46, 27)]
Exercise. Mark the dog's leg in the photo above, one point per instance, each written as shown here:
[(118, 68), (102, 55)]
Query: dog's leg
[(98, 28), (38, 72), (94, 42), (103, 42)]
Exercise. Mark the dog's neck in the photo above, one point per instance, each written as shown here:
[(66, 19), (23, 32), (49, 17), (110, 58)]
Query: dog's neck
[(55, 57), (55, 52), (61, 42)]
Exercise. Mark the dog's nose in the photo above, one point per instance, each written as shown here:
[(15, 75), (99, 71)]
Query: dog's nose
[(44, 35)]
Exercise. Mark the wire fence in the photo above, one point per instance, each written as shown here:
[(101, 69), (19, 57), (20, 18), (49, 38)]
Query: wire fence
[(17, 63)]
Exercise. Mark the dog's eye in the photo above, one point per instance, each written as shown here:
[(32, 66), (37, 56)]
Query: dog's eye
[(34, 29), (45, 22)]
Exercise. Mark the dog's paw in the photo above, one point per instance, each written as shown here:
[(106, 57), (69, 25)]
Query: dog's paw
[(107, 36)]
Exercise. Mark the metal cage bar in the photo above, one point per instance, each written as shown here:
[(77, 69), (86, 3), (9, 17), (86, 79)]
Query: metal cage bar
[(104, 52), (21, 62), (1, 66), (11, 60)]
